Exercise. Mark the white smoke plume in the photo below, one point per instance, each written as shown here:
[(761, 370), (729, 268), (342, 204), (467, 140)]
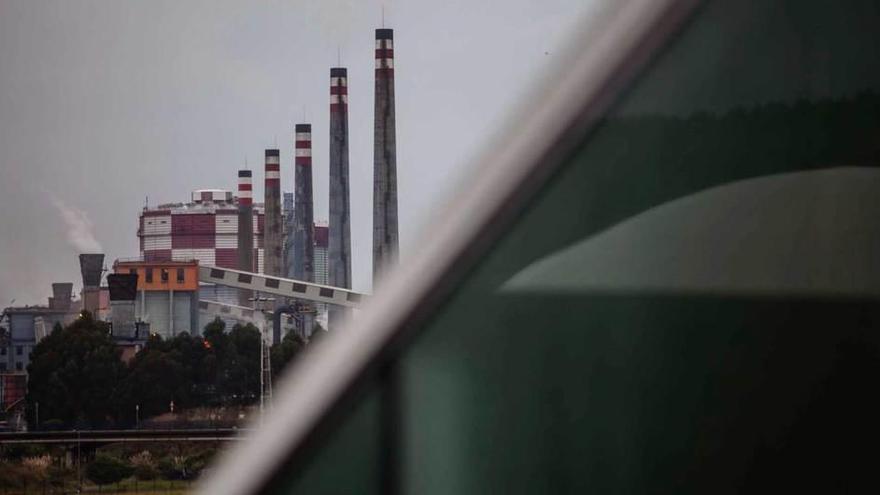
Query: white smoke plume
[(80, 229)]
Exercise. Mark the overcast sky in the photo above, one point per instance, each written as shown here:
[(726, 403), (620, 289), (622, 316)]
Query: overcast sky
[(106, 103)]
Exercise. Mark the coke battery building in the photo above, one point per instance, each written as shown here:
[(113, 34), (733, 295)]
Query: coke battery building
[(204, 229)]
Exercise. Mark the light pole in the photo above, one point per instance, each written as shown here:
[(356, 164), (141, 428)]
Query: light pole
[(263, 351), (137, 416)]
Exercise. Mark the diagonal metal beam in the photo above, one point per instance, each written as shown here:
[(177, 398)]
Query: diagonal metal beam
[(279, 286)]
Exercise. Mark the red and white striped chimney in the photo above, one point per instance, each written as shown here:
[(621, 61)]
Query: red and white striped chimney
[(245, 188), (245, 245), (272, 241), (385, 231)]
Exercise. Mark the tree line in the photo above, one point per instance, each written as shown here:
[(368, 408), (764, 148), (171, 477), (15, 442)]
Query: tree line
[(77, 377)]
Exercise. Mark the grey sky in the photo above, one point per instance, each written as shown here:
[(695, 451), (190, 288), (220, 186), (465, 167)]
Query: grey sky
[(103, 103)]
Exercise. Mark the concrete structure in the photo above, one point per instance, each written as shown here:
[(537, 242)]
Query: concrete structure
[(62, 293), (23, 327), (167, 295), (322, 236), (245, 228), (303, 211), (272, 232), (385, 233), (287, 212), (123, 294), (206, 229), (92, 269), (339, 250)]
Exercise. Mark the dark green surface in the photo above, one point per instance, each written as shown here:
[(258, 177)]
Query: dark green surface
[(565, 394), (347, 460)]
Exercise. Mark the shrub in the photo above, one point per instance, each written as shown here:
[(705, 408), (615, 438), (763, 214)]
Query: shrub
[(144, 466), (106, 469)]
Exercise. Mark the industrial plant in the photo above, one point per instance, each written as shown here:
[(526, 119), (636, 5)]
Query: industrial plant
[(221, 254)]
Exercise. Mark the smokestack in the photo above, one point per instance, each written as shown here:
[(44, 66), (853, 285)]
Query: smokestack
[(92, 267), (245, 230), (339, 250), (61, 293), (123, 292), (385, 235), (272, 242), (303, 210)]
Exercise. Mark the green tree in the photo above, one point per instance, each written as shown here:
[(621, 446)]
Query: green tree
[(106, 469), (74, 374), (286, 351), (239, 360)]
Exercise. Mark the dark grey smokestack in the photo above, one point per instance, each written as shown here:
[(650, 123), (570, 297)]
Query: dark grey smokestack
[(123, 291), (385, 235), (303, 209), (91, 266), (272, 235), (245, 229), (339, 249), (61, 294)]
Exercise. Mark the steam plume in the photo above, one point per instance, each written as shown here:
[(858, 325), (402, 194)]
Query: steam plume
[(80, 229)]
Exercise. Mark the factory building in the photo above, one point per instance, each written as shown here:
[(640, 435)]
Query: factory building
[(23, 327), (204, 229), (167, 297)]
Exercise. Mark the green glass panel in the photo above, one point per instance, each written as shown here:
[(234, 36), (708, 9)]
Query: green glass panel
[(691, 304), (347, 460)]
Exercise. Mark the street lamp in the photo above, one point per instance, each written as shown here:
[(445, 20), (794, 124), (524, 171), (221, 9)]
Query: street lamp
[(137, 416)]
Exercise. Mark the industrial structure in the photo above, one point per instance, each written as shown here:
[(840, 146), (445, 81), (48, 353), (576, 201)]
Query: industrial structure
[(272, 233), (339, 251), (166, 297), (303, 266), (385, 233), (92, 270), (204, 229)]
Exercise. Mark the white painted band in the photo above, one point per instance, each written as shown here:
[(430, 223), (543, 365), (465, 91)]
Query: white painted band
[(273, 174), (273, 160), (303, 136), (303, 152), (245, 194), (384, 63), (386, 44), (335, 99), (338, 81)]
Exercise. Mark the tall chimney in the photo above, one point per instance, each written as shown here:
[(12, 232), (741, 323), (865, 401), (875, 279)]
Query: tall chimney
[(385, 235), (245, 230), (339, 249), (272, 240), (92, 267), (303, 210)]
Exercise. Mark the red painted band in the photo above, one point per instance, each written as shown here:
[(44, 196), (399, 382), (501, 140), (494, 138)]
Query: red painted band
[(338, 90), (245, 187), (303, 160), (384, 53), (303, 144), (273, 167)]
